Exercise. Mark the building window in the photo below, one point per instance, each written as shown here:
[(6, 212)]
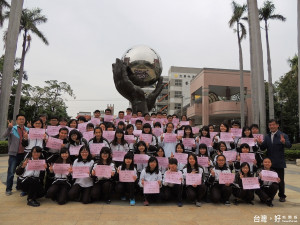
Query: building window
[(178, 83), (189, 76), (177, 106), (178, 94), (184, 76), (186, 83), (180, 76)]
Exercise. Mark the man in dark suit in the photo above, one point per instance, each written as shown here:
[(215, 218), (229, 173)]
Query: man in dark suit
[(275, 142)]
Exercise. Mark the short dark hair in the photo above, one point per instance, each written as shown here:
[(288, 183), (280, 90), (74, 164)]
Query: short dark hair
[(273, 120), (108, 110), (19, 116), (173, 161), (97, 111), (129, 109), (254, 126), (82, 118)]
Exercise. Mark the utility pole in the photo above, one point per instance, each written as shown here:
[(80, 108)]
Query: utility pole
[(9, 61), (298, 26)]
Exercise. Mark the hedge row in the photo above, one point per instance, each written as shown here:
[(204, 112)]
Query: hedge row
[(290, 154)]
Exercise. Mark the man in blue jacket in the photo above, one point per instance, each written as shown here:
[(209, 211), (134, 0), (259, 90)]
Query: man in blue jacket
[(15, 149), (275, 142)]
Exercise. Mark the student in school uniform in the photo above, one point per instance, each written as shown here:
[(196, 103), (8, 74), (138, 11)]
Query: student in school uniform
[(76, 139), (82, 186), (194, 193), (168, 147), (204, 132), (246, 133), (222, 147), (203, 152), (179, 148), (30, 143), (129, 131), (219, 192), (188, 133), (58, 191), (31, 181), (118, 143), (127, 187), (268, 189), (103, 185), (238, 191), (150, 173), (141, 148), (161, 153), (73, 124), (245, 148), (223, 128), (148, 130), (170, 189), (98, 139)]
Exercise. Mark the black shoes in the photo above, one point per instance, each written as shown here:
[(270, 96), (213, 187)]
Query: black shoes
[(282, 199), (269, 203), (33, 203)]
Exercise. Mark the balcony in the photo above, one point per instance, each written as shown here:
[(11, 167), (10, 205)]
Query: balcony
[(194, 110)]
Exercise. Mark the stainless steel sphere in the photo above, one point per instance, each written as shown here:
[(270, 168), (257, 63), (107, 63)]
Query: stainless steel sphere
[(144, 63)]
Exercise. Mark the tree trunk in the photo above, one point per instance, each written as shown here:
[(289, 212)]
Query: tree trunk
[(9, 61), (270, 83), (242, 95), (298, 26), (20, 79), (257, 70)]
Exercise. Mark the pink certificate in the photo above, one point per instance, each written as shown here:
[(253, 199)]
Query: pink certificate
[(225, 136), (212, 134), (230, 155), (108, 118), (247, 157), (150, 122), (157, 131), (188, 142), (95, 121), (205, 140), (82, 127), (61, 168), (74, 150), (54, 143), (195, 130), (169, 138), (267, 175), (103, 171), (203, 161), (163, 162), (95, 148), (226, 178), (158, 120), (180, 133), (259, 136), (141, 158), (118, 156), (81, 171), (126, 175), (137, 132), (127, 117), (36, 164), (109, 135), (250, 183), (249, 141), (132, 120), (181, 157), (173, 177), (151, 187), (129, 138), (184, 123), (36, 133), (88, 135), (118, 120), (52, 130), (193, 178), (175, 121), (147, 138), (236, 132)]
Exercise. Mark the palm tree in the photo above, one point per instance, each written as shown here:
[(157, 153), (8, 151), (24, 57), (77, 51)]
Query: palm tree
[(266, 13), (3, 4), (29, 21), (238, 11)]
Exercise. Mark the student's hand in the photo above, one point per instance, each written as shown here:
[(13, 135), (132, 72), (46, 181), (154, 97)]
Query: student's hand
[(147, 144), (142, 182), (195, 185), (241, 175), (179, 138), (208, 163), (63, 145), (70, 169), (25, 163), (212, 172), (29, 124), (93, 173), (259, 140), (278, 180), (118, 170), (254, 162), (45, 137), (219, 153), (25, 135), (215, 138), (10, 124), (197, 139), (112, 173), (50, 168), (194, 145), (259, 175), (45, 165), (238, 157), (227, 184), (172, 155), (159, 182), (134, 178), (282, 140)]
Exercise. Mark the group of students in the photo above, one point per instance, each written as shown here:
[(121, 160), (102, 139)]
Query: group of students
[(57, 179)]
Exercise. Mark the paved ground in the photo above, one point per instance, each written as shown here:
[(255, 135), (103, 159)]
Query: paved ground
[(13, 209)]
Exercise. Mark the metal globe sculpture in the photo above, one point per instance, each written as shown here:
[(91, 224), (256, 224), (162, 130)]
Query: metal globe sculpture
[(145, 65)]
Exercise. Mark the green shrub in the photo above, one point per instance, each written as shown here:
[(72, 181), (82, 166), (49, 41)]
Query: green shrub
[(295, 147), (3, 147), (292, 154)]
